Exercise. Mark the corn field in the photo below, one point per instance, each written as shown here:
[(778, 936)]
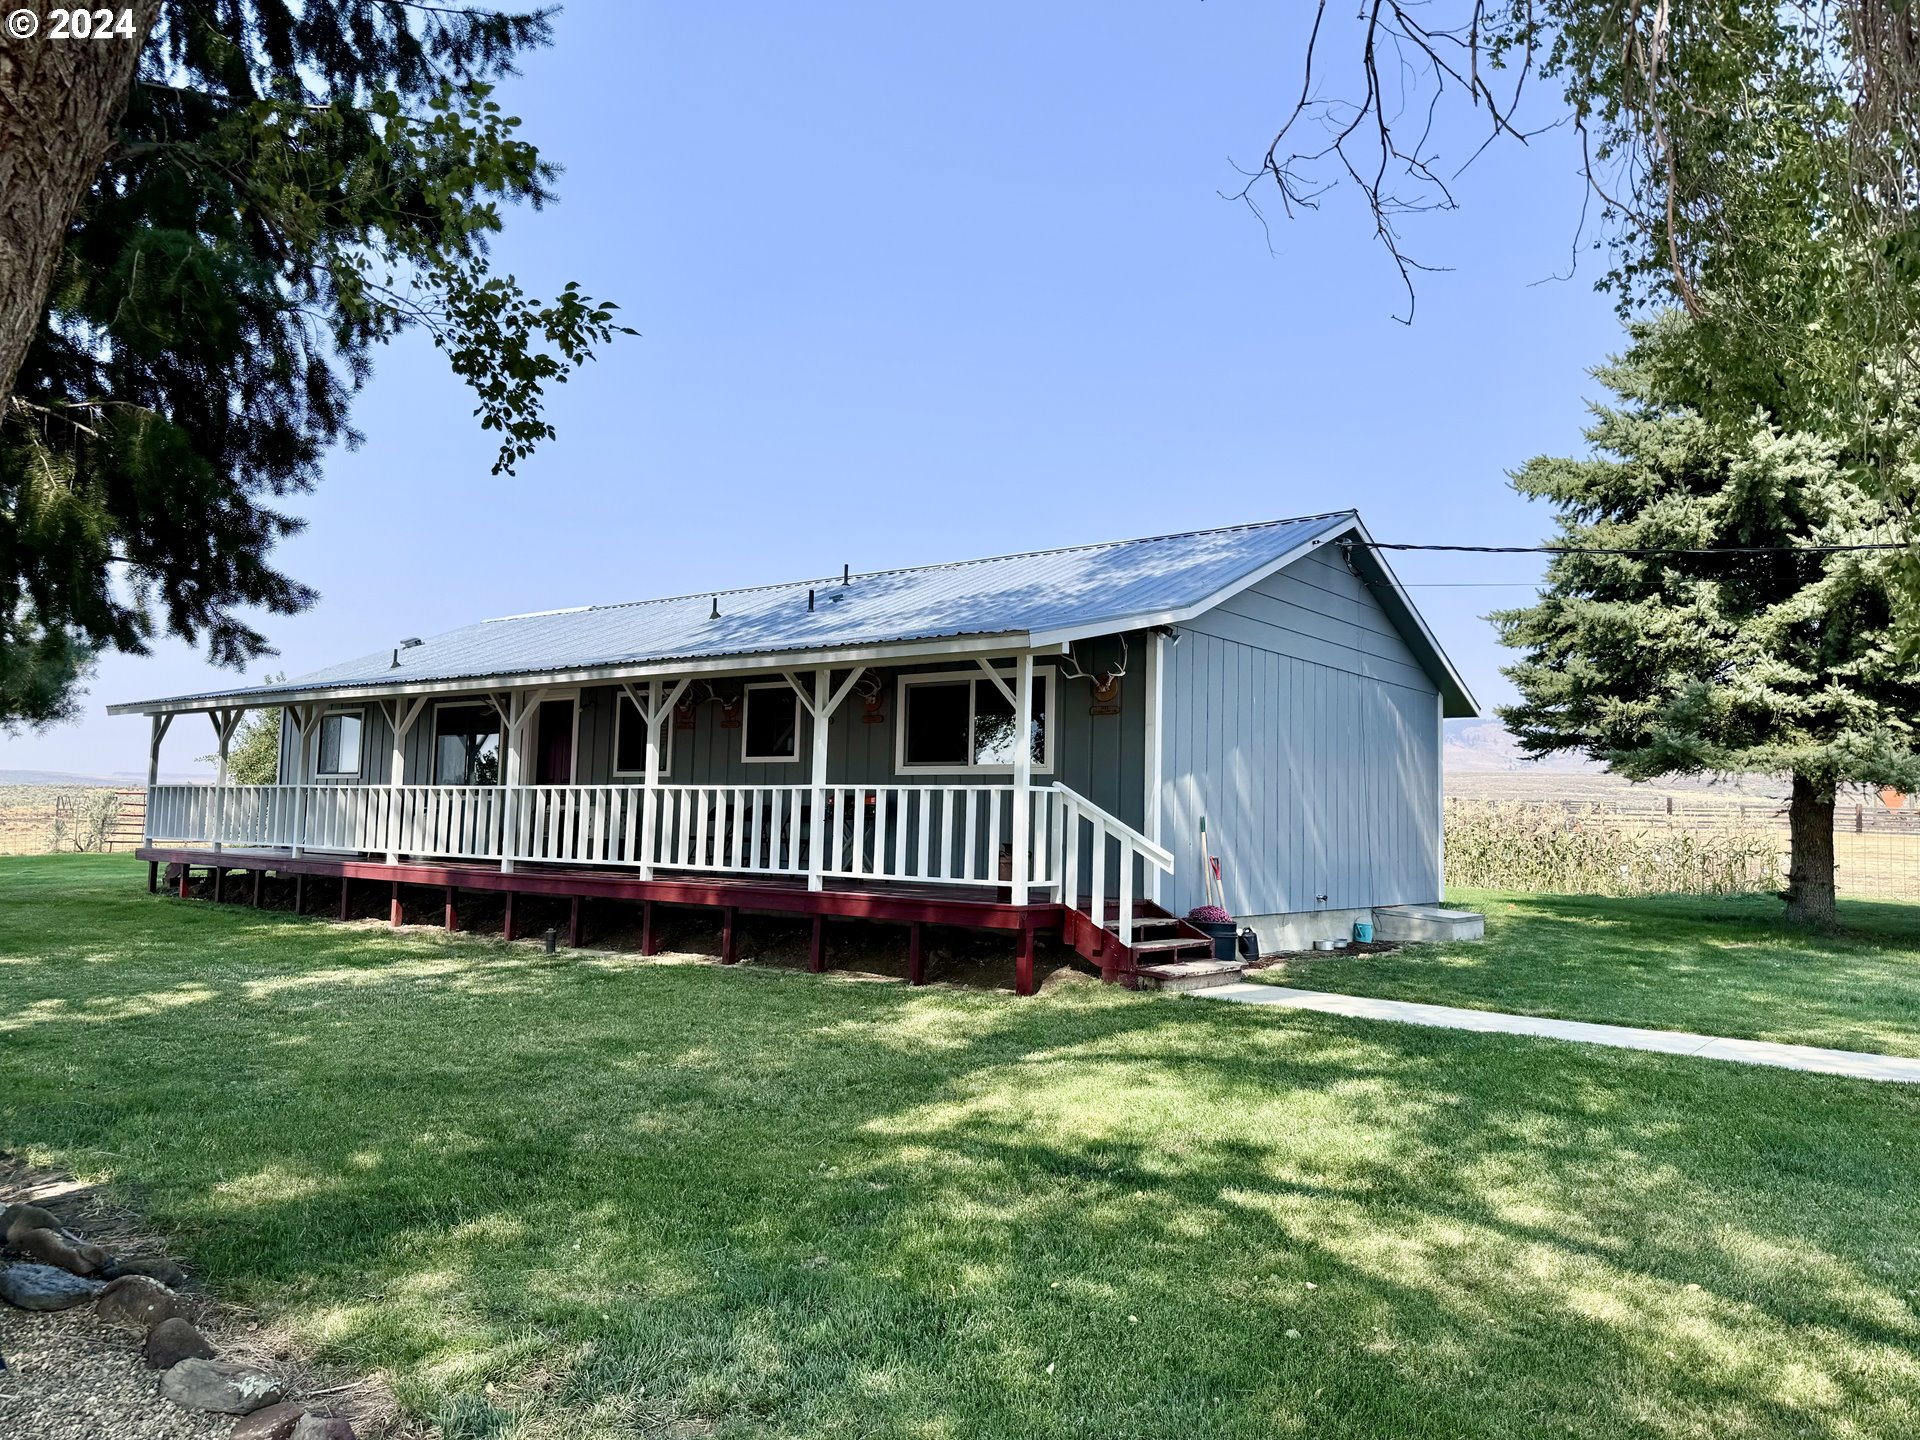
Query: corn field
[(1650, 844)]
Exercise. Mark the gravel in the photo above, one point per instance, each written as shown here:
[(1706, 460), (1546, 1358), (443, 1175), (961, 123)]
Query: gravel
[(70, 1377)]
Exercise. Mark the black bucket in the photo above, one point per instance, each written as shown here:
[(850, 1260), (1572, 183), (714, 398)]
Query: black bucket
[(1225, 935)]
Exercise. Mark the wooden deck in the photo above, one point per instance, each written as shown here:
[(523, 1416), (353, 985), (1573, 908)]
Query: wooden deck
[(981, 908)]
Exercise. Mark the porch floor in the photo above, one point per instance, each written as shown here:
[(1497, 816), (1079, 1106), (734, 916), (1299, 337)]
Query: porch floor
[(974, 908)]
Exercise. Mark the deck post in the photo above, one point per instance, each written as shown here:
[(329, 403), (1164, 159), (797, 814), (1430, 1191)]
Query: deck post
[(453, 915), (817, 947), (575, 930), (649, 940), (219, 883), (1023, 776), (650, 786), (1023, 963), (300, 893), (817, 820), (506, 919), (916, 953), (161, 723), (396, 917), (259, 887), (185, 872), (346, 892), (729, 935), (153, 877)]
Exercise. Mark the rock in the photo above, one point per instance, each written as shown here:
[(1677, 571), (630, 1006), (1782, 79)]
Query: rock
[(52, 1247), (322, 1427), (154, 1267), (225, 1386), (27, 1217), (174, 1340), (137, 1303), (276, 1422), (43, 1287)]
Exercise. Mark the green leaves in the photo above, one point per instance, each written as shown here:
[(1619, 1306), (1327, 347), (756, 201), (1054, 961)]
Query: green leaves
[(295, 184)]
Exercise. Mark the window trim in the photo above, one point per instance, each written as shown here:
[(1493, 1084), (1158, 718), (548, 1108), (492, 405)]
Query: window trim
[(433, 737), (746, 701), (620, 704), (359, 712), (1042, 766)]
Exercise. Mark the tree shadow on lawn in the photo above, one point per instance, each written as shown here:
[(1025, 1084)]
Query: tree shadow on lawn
[(811, 1208), (1728, 966)]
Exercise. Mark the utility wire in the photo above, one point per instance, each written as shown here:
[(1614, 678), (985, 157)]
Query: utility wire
[(1644, 550)]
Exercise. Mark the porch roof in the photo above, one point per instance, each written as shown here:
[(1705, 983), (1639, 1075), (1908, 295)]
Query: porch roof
[(1038, 599)]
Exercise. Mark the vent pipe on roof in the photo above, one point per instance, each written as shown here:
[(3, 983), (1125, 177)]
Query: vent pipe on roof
[(846, 574), (809, 602), (716, 609), (403, 645)]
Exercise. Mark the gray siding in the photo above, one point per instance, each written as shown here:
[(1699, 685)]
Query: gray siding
[(1302, 727)]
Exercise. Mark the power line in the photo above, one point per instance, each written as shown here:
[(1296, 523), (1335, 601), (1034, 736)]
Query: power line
[(1645, 550)]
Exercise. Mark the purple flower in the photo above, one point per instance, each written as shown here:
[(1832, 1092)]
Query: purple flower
[(1209, 915)]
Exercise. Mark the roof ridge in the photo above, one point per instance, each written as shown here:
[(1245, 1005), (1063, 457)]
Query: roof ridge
[(936, 565)]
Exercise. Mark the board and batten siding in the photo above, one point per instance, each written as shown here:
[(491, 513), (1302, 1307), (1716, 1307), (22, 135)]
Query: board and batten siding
[(1298, 722)]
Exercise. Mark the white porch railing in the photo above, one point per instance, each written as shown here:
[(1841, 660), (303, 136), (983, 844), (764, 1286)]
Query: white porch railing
[(921, 834), (1111, 855)]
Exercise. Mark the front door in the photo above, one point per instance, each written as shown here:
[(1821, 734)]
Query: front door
[(553, 744)]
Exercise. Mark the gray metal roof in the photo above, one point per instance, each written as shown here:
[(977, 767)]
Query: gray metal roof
[(1055, 594)]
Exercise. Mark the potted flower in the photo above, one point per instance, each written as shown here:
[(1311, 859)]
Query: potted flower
[(1218, 926)]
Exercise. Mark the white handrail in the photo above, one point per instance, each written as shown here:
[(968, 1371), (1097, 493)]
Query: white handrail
[(1133, 849)]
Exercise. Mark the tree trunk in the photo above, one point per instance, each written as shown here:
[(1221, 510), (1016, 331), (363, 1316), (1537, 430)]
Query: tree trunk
[(59, 103), (1809, 893)]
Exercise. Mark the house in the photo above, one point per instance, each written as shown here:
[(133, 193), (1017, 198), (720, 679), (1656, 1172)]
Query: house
[(853, 746)]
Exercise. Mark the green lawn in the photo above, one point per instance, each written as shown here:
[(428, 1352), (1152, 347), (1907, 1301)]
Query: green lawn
[(585, 1195), (1720, 967)]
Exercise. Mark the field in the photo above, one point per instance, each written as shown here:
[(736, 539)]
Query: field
[(44, 819), (592, 1196)]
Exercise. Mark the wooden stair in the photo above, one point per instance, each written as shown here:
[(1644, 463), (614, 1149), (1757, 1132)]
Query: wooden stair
[(1166, 954)]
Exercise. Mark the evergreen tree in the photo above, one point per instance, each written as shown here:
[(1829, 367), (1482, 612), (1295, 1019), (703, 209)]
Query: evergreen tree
[(1773, 662), (291, 184)]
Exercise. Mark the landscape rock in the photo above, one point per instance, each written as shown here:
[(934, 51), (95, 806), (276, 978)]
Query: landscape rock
[(44, 1287), (27, 1217), (154, 1267), (322, 1427), (136, 1302), (174, 1340), (276, 1422), (52, 1247), (225, 1386)]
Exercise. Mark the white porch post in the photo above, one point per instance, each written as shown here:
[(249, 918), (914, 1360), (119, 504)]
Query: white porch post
[(401, 719), (817, 825), (303, 717), (511, 715), (160, 727), (1156, 700), (654, 714), (1023, 776), (224, 723)]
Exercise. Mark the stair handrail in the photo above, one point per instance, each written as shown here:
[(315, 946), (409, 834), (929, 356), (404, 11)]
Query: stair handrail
[(1074, 808)]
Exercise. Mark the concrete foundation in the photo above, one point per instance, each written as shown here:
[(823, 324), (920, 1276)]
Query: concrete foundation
[(1402, 923)]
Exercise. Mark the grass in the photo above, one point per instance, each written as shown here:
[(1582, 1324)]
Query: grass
[(597, 1196), (1726, 966)]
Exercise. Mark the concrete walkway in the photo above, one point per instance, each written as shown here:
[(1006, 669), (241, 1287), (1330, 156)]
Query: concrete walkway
[(1856, 1064)]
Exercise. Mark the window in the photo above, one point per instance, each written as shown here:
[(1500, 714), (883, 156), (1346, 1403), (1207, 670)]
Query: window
[(339, 756), (630, 740), (954, 721), (466, 745), (770, 730)]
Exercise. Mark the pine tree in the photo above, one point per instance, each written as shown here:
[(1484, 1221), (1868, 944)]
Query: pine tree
[(1778, 662), (291, 184)]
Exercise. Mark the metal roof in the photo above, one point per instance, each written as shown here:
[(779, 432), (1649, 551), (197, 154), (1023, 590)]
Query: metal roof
[(1038, 597)]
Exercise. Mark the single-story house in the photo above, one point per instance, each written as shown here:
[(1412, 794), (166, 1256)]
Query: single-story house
[(1033, 742)]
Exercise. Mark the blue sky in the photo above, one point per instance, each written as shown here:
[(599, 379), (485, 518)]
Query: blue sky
[(922, 283)]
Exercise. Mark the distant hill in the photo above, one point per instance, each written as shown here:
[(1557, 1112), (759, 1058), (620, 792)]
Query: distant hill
[(118, 780), (1483, 747), (1483, 761)]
